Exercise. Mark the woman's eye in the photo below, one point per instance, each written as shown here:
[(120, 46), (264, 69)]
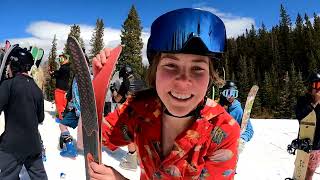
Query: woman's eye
[(197, 69), (170, 66)]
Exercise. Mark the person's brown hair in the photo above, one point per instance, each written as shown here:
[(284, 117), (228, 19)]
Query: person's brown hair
[(151, 74)]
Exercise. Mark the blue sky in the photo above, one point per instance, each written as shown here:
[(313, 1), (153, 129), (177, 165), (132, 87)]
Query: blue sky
[(34, 22)]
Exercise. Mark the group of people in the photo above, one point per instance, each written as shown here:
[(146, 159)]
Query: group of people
[(171, 128)]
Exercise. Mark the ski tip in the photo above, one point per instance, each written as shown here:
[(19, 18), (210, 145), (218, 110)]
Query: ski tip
[(72, 38)]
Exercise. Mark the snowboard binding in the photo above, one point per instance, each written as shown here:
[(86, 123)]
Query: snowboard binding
[(301, 144)]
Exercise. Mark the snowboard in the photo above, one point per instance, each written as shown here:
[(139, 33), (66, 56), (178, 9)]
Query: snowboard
[(306, 133), (92, 96), (248, 107), (37, 54), (4, 62)]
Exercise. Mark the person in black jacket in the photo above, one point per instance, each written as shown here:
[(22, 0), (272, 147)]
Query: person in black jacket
[(305, 104), (62, 76), (128, 87), (23, 105)]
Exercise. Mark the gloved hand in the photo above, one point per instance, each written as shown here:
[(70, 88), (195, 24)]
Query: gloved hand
[(112, 87), (223, 101)]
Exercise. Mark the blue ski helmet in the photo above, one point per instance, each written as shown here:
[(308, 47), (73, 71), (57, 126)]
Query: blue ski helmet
[(187, 30)]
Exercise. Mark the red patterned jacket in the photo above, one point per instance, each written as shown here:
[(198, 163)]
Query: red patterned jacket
[(139, 120)]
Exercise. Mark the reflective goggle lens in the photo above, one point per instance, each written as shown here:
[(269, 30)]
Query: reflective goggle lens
[(230, 93), (316, 85), (172, 31)]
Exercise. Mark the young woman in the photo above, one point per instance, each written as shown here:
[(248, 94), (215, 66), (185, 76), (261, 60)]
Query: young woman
[(179, 133)]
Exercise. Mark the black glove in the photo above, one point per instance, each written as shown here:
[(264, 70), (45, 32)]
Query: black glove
[(223, 101), (112, 87)]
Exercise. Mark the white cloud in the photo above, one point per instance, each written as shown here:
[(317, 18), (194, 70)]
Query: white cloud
[(42, 33), (235, 25)]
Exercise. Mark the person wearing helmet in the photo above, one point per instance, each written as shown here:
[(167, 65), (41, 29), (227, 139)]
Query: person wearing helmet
[(23, 105), (228, 99), (62, 76), (305, 104), (120, 95), (71, 117), (127, 88), (179, 132)]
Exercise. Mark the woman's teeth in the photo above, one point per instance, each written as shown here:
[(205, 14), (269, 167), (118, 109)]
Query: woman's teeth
[(180, 96)]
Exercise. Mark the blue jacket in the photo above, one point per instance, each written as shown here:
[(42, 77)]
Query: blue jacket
[(236, 111), (75, 97)]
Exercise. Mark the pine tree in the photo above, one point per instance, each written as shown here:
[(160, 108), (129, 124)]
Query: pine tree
[(131, 39), (299, 48), (256, 109), (96, 41), (75, 32), (273, 89), (284, 110), (244, 80), (296, 88), (316, 27), (51, 65), (284, 40), (309, 44), (265, 55), (267, 90), (312, 62), (316, 37)]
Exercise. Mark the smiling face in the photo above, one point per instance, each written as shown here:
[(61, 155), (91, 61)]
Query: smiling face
[(182, 81)]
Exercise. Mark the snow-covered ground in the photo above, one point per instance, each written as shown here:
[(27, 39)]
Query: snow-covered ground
[(264, 158)]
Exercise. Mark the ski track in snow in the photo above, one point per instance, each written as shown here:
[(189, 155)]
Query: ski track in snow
[(264, 158)]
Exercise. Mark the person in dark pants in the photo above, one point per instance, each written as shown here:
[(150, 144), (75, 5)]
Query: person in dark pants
[(23, 105), (70, 119), (62, 77), (305, 104), (128, 87)]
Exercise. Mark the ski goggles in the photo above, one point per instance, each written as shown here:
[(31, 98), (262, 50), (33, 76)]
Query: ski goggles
[(228, 93), (62, 58), (173, 31), (316, 85)]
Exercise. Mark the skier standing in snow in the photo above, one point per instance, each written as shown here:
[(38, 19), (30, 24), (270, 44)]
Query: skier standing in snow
[(228, 99), (128, 87), (23, 105), (70, 119), (179, 132), (62, 84), (305, 104)]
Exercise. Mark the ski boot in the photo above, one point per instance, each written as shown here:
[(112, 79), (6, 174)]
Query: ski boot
[(57, 120), (69, 150), (62, 139), (130, 162)]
